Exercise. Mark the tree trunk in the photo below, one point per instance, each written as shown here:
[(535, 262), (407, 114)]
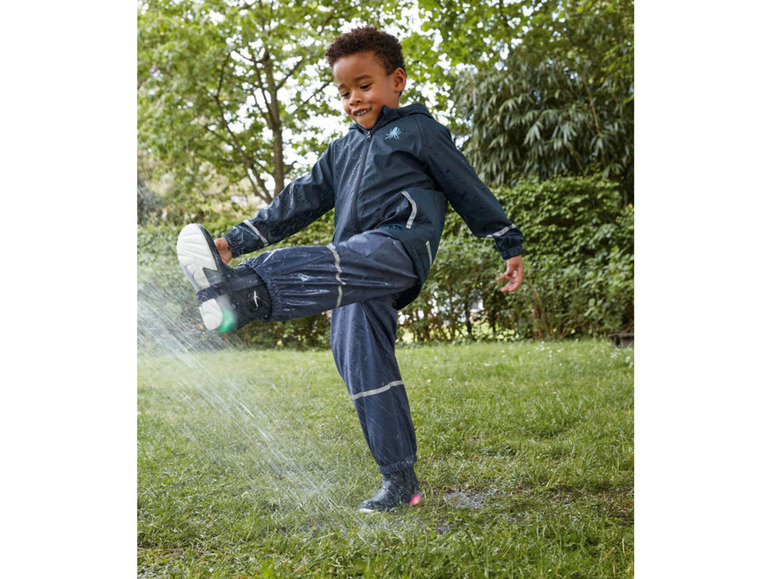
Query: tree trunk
[(274, 124)]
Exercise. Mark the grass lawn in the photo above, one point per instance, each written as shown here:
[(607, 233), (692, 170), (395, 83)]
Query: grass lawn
[(252, 463)]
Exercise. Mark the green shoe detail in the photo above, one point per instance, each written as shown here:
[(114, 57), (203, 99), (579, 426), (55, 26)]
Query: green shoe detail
[(228, 321)]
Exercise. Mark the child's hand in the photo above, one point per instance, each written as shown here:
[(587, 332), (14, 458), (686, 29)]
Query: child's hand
[(514, 274), (224, 248)]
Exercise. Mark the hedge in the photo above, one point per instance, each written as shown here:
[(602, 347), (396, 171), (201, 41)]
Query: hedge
[(578, 277)]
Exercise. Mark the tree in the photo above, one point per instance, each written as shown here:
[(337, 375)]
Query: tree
[(457, 36), (232, 92), (227, 86), (539, 88)]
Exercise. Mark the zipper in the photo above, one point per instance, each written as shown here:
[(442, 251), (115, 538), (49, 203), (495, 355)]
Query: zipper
[(355, 213)]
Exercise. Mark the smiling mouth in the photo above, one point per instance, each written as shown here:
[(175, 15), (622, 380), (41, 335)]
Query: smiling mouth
[(361, 112)]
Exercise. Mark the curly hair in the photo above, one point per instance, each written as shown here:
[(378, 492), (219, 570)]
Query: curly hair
[(387, 49)]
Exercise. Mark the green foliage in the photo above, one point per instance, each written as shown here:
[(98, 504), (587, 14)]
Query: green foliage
[(231, 94), (542, 89), (227, 87), (578, 269), (460, 35), (560, 103), (578, 275)]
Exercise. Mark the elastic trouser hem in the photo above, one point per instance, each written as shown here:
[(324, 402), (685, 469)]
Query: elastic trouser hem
[(398, 466), (277, 300), (249, 295), (272, 292)]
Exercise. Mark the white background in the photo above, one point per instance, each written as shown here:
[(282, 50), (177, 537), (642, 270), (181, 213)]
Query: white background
[(69, 289)]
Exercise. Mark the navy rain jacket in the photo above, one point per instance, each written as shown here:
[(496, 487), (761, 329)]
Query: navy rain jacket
[(397, 177)]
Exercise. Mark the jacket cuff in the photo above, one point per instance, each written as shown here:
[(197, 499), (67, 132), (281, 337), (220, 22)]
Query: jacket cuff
[(235, 239), (514, 252), (509, 249)]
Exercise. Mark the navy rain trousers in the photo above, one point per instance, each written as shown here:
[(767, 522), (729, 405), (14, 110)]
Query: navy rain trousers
[(360, 280)]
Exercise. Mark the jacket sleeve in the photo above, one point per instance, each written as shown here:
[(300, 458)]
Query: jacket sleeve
[(469, 196), (299, 204)]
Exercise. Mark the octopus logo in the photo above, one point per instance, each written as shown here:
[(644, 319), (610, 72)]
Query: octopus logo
[(393, 134)]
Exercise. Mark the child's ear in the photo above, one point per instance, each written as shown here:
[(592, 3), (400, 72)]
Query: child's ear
[(399, 79)]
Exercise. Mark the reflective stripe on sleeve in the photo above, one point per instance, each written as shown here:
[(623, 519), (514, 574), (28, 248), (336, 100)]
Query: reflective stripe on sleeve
[(414, 205), (256, 232), (502, 232)]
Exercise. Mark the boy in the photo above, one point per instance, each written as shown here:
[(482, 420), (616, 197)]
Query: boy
[(389, 180)]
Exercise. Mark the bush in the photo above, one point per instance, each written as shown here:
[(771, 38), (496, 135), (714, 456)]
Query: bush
[(578, 276), (578, 269)]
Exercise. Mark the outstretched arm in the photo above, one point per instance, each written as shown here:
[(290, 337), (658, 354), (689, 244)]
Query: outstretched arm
[(514, 274), (468, 195), (299, 204)]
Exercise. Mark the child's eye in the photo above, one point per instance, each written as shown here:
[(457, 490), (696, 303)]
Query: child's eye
[(344, 95), (365, 86)]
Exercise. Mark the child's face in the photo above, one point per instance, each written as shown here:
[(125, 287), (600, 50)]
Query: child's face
[(365, 87)]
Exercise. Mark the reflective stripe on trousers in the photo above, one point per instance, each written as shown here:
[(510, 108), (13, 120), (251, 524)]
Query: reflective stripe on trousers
[(359, 279), (363, 336)]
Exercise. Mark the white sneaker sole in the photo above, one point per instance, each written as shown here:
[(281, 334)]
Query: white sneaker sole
[(196, 258)]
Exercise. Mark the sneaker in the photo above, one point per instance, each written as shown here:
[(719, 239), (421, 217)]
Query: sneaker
[(397, 489), (204, 269)]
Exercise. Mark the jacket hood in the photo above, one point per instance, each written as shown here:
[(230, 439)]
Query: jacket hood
[(388, 115)]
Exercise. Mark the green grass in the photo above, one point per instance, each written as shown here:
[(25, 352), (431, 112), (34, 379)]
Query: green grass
[(251, 464)]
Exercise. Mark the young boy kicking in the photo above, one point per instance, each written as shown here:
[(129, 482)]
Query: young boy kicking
[(390, 180)]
